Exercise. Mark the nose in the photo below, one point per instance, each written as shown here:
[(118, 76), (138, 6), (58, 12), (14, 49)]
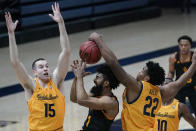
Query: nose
[(45, 69), (94, 80), (183, 46)]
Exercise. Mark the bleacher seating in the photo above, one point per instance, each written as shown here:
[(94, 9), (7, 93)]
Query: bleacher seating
[(78, 15)]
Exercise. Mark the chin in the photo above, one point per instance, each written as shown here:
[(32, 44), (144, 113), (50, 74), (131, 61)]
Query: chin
[(184, 52), (45, 78)]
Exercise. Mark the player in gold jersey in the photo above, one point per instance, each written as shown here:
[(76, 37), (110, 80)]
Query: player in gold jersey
[(169, 114), (44, 93), (143, 95)]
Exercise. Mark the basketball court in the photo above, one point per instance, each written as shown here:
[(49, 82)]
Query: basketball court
[(134, 44)]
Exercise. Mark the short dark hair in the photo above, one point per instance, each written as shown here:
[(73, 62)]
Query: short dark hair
[(185, 37), (38, 59), (156, 73), (108, 74)]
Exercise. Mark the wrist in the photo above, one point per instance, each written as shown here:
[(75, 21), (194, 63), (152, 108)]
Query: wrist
[(99, 40), (10, 32), (61, 21), (168, 78), (79, 76)]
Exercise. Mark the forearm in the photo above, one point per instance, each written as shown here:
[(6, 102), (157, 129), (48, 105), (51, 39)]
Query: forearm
[(81, 93), (73, 93), (13, 49), (170, 90), (63, 59), (194, 123), (186, 76), (107, 54), (64, 40)]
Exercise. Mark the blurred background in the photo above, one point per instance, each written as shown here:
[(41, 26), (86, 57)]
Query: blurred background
[(79, 15)]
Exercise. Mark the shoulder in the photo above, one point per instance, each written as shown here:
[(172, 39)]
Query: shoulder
[(109, 99), (182, 106), (183, 109), (173, 56)]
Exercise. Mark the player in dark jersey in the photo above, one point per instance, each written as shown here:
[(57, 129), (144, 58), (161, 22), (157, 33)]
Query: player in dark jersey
[(103, 105), (179, 63)]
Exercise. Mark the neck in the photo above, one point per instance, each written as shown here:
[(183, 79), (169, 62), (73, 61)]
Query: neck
[(106, 92), (43, 82), (185, 55)]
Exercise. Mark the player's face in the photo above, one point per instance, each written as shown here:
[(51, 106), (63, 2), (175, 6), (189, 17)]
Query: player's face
[(42, 70), (99, 79), (98, 88), (142, 74), (184, 46)]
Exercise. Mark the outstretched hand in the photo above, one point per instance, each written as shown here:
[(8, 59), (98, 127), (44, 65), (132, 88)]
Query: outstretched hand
[(95, 37), (11, 26), (56, 13), (79, 68)]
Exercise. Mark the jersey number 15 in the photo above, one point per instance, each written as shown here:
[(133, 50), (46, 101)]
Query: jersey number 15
[(49, 111)]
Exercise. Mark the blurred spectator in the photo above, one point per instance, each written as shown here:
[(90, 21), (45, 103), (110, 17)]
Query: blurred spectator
[(185, 6)]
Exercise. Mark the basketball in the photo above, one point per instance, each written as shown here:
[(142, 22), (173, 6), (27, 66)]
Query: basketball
[(90, 52)]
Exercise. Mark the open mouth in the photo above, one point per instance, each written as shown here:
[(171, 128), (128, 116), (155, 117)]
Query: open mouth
[(45, 74)]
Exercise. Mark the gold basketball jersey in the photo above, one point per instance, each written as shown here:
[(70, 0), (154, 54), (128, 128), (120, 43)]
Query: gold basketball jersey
[(139, 115), (47, 108), (167, 118)]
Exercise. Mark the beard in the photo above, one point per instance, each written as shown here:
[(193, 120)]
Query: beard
[(96, 91)]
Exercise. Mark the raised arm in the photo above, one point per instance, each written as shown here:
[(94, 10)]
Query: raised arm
[(63, 59), (185, 112), (73, 93), (170, 90), (21, 72), (127, 80), (171, 66), (103, 103)]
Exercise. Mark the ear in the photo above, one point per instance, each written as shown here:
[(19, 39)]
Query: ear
[(146, 78), (34, 72), (106, 84)]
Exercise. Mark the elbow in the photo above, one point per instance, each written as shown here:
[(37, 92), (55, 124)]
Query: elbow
[(79, 101), (73, 100), (15, 63), (194, 125), (66, 51)]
